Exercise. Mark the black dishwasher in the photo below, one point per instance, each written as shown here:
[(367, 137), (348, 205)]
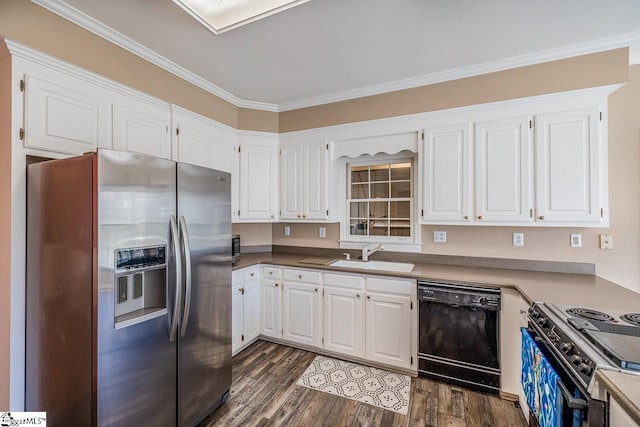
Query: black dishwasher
[(458, 340)]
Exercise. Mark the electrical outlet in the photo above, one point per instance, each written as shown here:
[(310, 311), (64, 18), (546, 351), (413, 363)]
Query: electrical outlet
[(518, 239), (440, 237), (606, 241), (287, 230), (576, 240), (322, 232)]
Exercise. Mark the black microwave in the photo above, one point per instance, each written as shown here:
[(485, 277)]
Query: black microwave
[(235, 248)]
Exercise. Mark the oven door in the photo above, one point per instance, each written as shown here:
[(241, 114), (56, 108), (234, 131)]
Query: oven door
[(576, 407)]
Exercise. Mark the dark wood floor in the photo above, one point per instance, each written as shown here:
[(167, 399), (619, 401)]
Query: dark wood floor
[(264, 393)]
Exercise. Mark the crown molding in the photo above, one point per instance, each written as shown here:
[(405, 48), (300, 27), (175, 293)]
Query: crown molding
[(85, 21), (74, 15), (623, 40)]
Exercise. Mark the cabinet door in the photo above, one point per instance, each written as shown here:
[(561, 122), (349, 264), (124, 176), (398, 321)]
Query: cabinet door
[(568, 167), (291, 177), (198, 142), (302, 317), (502, 154), (236, 318), (388, 329), (65, 115), (343, 321), (446, 177), (271, 308), (142, 128), (257, 183), (251, 310), (314, 172)]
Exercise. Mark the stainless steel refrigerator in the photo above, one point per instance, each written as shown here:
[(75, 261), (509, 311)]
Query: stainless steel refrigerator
[(128, 290)]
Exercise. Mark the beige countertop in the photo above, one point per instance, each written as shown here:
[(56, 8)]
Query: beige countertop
[(558, 288), (625, 388)]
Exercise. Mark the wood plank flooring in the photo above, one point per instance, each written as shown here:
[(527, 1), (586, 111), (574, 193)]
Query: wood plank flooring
[(264, 393)]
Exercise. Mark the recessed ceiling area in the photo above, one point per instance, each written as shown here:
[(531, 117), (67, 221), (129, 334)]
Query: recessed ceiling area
[(223, 15), (325, 47)]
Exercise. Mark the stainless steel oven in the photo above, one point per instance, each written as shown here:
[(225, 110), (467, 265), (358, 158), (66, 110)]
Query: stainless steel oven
[(458, 335)]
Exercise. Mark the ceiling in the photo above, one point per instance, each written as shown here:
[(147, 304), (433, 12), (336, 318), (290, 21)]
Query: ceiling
[(327, 47)]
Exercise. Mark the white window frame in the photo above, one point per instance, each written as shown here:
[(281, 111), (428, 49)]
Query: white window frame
[(394, 243)]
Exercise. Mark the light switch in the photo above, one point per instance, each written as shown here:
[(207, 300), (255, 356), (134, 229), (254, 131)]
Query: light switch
[(287, 230), (322, 232)]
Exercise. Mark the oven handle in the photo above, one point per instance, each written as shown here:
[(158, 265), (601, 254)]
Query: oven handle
[(572, 402)]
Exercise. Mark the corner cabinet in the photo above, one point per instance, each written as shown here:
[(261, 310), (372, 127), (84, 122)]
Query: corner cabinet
[(568, 165), (304, 181), (258, 182)]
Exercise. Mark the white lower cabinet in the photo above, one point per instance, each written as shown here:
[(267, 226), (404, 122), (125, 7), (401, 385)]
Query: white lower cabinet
[(272, 308), (388, 331), (245, 308), (343, 321), (302, 314)]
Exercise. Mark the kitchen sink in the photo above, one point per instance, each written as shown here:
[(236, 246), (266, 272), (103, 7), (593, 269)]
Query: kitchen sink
[(374, 265)]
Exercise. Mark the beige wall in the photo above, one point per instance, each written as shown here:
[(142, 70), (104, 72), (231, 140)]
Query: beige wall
[(5, 226), (253, 234), (25, 22), (557, 76), (620, 265)]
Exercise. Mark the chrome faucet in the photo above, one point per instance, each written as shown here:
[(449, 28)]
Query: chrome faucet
[(366, 251)]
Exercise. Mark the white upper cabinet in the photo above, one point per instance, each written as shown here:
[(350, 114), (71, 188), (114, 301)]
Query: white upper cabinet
[(304, 181), (446, 179), (258, 182), (200, 141), (291, 182), (568, 167), (142, 128), (503, 170), (65, 115)]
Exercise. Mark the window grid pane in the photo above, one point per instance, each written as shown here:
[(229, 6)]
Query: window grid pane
[(380, 200)]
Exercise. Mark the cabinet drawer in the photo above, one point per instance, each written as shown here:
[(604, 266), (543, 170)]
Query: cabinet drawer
[(390, 286), (303, 276), (250, 274), (344, 281), (272, 272)]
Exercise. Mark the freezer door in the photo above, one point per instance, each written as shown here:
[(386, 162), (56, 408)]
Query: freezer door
[(136, 359), (204, 354)]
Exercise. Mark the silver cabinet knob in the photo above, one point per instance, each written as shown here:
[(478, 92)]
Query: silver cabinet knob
[(541, 218), (300, 276), (479, 216), (466, 217), (358, 296), (276, 285), (316, 290), (298, 215), (304, 216), (273, 216), (270, 273), (252, 274)]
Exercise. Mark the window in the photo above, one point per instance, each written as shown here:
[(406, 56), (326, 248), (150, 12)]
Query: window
[(380, 200)]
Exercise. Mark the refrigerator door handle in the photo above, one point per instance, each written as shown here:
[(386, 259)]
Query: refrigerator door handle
[(184, 234), (178, 259)]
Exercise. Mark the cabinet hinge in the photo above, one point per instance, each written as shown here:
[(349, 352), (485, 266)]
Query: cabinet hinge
[(600, 115), (322, 340), (411, 305), (166, 129), (238, 149), (422, 135), (21, 134), (22, 85), (242, 338), (327, 212), (530, 124), (323, 293), (422, 212), (177, 131), (327, 146), (238, 212), (281, 152), (601, 212), (411, 360), (530, 213)]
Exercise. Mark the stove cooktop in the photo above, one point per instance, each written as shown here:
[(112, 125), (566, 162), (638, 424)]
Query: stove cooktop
[(614, 333)]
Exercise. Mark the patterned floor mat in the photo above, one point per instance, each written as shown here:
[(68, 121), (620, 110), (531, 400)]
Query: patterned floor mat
[(384, 389)]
